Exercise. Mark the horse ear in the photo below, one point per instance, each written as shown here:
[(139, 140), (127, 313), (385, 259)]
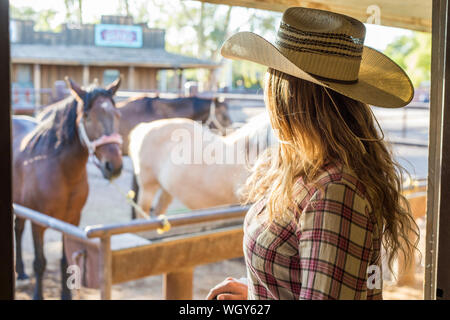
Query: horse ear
[(220, 99), (75, 88), (114, 86)]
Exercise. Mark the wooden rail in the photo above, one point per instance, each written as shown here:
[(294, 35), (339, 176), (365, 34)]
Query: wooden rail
[(114, 254), (114, 262)]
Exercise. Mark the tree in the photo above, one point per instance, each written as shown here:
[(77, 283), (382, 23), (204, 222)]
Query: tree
[(205, 27), (23, 13), (74, 11), (124, 7), (68, 4), (43, 19), (413, 54), (80, 11)]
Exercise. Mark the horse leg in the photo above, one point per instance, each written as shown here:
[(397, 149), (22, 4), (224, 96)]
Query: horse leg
[(19, 227), (135, 188), (145, 198), (162, 202), (39, 260), (66, 294)]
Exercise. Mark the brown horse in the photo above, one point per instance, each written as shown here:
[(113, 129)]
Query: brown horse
[(49, 164), (145, 109)]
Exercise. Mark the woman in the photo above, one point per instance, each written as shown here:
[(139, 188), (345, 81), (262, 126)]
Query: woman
[(328, 197)]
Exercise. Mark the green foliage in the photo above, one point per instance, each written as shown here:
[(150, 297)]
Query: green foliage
[(413, 54), (43, 19), (124, 7), (74, 11), (206, 26), (195, 29), (248, 75), (23, 13)]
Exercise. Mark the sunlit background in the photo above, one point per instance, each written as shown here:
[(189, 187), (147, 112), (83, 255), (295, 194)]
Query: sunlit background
[(195, 30), (205, 26)]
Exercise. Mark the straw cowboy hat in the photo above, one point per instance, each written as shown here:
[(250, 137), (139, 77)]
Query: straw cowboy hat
[(328, 49)]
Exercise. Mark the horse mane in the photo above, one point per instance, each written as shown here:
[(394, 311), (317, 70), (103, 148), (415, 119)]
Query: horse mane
[(144, 97), (57, 126), (257, 135), (257, 127)]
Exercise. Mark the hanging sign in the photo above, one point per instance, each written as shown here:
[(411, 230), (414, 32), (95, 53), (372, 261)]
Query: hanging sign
[(116, 35)]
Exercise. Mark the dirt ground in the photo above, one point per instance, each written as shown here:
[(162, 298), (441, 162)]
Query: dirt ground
[(106, 205)]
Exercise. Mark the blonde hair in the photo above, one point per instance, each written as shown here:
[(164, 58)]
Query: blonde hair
[(311, 133)]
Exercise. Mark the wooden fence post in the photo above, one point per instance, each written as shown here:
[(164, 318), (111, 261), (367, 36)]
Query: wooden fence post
[(7, 273), (437, 258), (178, 285), (37, 84), (105, 268)]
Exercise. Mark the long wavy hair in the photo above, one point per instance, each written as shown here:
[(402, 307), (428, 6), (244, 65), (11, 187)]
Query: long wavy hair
[(315, 125)]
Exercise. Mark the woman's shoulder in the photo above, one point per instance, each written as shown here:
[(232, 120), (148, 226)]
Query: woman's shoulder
[(335, 198), (334, 182)]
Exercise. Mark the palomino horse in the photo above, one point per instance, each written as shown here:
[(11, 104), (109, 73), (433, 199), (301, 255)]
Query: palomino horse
[(211, 168), (49, 163), (146, 109)]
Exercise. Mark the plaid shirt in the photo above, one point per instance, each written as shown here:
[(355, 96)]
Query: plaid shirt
[(320, 251)]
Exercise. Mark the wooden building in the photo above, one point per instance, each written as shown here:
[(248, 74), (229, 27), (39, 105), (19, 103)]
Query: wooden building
[(102, 51)]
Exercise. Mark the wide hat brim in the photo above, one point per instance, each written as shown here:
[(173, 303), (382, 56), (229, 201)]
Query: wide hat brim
[(381, 82)]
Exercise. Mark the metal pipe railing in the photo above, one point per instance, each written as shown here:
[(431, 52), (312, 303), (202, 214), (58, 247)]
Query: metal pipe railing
[(418, 185), (195, 216), (49, 222), (102, 231)]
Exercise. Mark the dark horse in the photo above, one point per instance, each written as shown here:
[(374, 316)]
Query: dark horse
[(146, 109), (49, 163)]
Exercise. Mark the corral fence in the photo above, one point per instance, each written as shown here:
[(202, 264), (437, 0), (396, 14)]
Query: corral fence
[(116, 253)]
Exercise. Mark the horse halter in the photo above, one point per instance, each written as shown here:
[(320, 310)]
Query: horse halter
[(91, 146), (213, 119)]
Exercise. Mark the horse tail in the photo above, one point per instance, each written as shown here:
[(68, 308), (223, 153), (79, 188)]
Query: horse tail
[(135, 188)]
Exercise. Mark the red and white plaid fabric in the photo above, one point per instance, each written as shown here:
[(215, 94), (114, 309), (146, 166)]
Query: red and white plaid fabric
[(321, 250)]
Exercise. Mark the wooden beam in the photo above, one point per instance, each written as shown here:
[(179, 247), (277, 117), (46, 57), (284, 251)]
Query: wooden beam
[(443, 216), (178, 285), (131, 78), (105, 269), (85, 75), (180, 81), (413, 14), (164, 256), (6, 214), (168, 66), (437, 255), (162, 85), (37, 84)]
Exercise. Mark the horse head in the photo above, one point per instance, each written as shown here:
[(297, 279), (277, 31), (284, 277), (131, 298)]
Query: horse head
[(98, 124), (219, 117), (222, 113)]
